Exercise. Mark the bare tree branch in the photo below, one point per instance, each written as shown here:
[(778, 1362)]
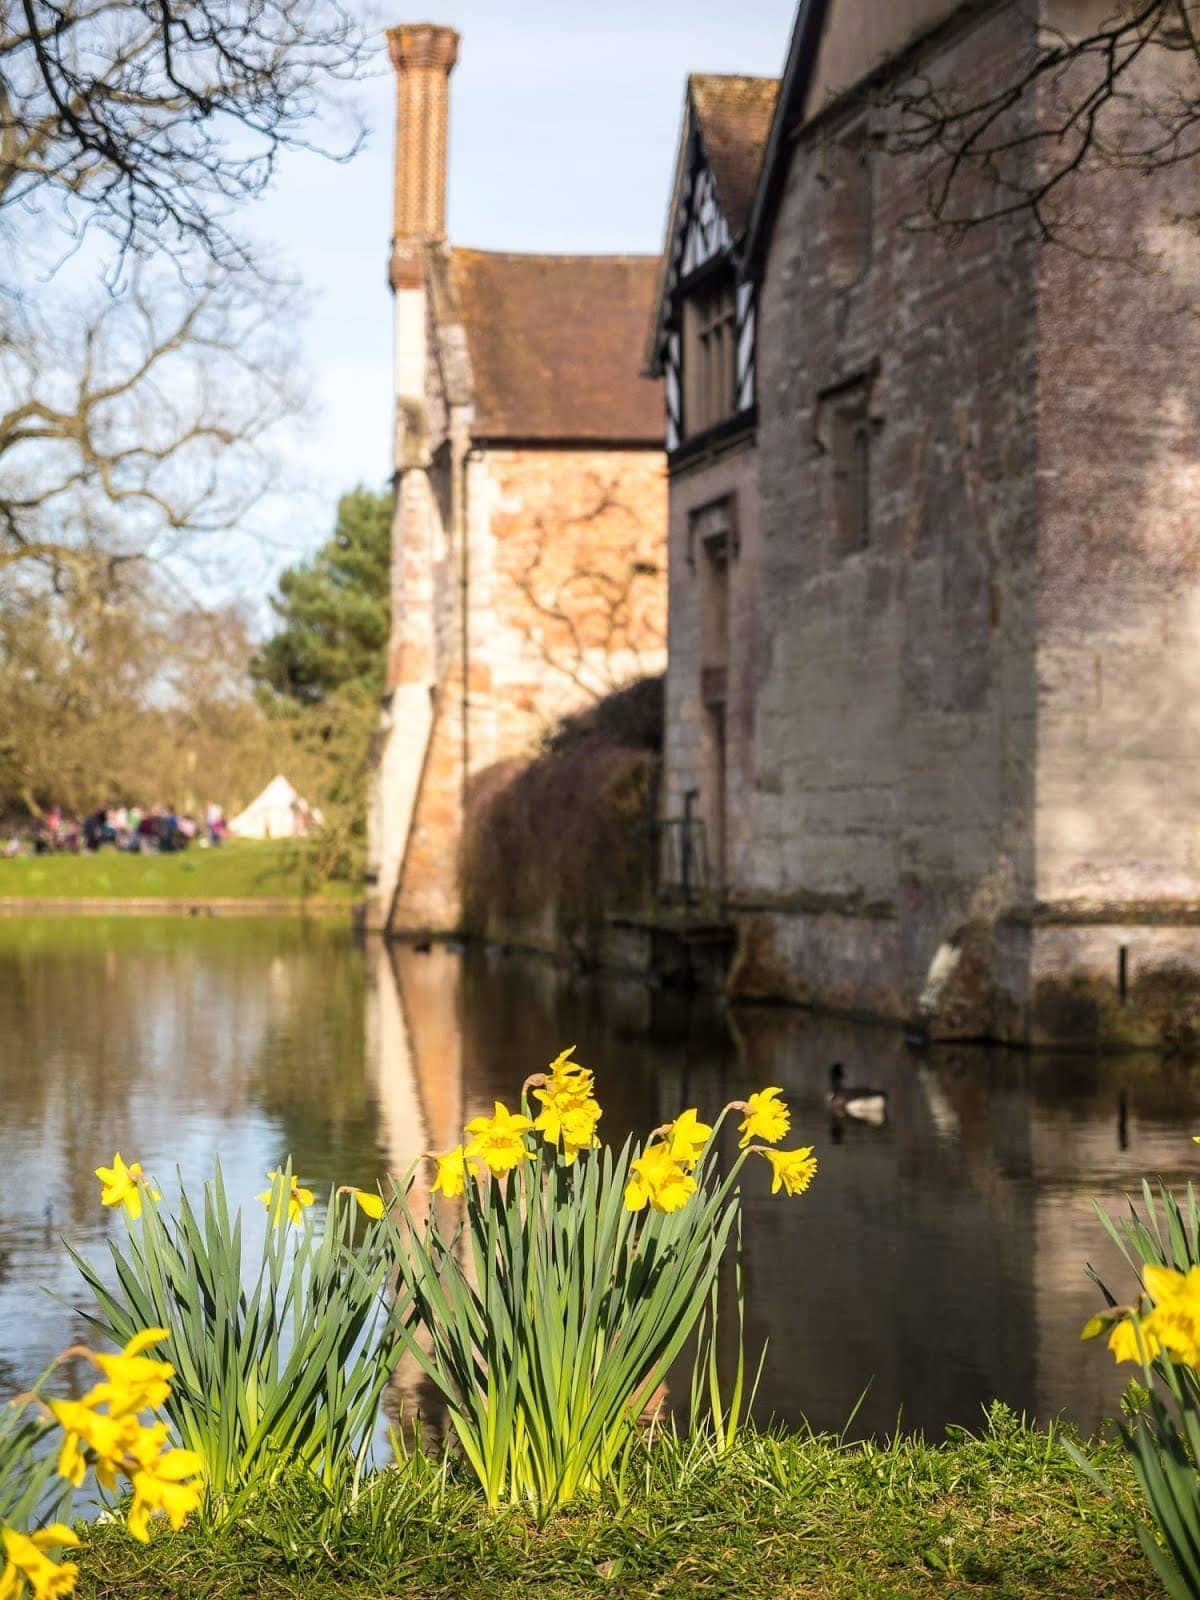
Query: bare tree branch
[(1122, 92), (154, 119), (153, 415)]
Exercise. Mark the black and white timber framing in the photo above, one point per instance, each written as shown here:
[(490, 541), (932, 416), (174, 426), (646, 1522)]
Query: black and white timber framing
[(700, 245)]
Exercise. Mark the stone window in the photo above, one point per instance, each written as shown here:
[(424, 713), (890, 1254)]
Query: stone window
[(709, 354), (845, 431), (712, 540), (846, 171)]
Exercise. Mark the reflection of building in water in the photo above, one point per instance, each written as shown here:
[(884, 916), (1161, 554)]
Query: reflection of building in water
[(938, 1262)]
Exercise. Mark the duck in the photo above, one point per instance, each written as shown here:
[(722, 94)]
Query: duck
[(860, 1103)]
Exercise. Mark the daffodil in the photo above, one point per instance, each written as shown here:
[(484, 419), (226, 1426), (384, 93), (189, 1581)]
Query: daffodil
[(111, 1441), (295, 1198), (498, 1141), (135, 1382), (122, 1185), (792, 1170), (569, 1111), (1175, 1320), (1123, 1340), (658, 1181), (369, 1202), (25, 1559), (451, 1177), (166, 1482), (767, 1118), (687, 1137)]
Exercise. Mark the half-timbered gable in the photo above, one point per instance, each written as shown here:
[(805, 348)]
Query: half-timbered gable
[(702, 343)]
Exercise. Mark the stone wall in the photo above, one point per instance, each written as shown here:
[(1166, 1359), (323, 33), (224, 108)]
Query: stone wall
[(1117, 805), (726, 480), (567, 587), (559, 555), (894, 722)]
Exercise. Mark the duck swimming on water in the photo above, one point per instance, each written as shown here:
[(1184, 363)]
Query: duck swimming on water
[(859, 1103)]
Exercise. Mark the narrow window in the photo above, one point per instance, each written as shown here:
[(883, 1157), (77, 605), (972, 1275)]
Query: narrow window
[(1123, 973), (709, 355), (850, 443), (848, 178)]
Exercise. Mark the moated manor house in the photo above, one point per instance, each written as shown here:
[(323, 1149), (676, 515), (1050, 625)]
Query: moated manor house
[(934, 506)]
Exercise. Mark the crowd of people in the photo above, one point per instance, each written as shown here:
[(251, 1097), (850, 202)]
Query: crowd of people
[(150, 829)]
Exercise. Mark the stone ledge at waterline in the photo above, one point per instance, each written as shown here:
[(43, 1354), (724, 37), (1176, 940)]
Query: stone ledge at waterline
[(1079, 975)]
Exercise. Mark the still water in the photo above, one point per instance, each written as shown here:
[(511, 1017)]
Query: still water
[(938, 1262)]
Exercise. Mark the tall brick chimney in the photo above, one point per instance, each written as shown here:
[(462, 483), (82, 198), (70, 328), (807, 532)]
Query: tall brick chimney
[(423, 55)]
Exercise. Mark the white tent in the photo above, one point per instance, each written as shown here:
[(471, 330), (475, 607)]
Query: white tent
[(277, 813)]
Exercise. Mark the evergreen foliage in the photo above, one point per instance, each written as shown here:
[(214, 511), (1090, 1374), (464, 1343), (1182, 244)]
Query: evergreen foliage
[(334, 609)]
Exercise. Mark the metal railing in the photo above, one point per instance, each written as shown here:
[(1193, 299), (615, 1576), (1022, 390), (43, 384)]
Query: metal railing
[(682, 874)]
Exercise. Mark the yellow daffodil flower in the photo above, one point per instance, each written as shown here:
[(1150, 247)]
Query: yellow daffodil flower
[(371, 1204), (498, 1141), (111, 1440), (1123, 1340), (687, 1137), (1173, 1325), (570, 1113), (451, 1177), (1175, 1320), (160, 1483), (135, 1382), (295, 1199), (767, 1118), (792, 1170), (26, 1561), (122, 1185), (658, 1181)]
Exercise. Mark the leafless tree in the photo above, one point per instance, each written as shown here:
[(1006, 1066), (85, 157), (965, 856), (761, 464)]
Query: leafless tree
[(1122, 89), (144, 420), (154, 119)]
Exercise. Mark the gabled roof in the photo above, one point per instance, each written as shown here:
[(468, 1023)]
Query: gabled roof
[(555, 344), (734, 115), (731, 117)]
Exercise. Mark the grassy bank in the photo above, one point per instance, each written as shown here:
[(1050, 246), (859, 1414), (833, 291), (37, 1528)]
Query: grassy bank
[(1004, 1515), (238, 870)]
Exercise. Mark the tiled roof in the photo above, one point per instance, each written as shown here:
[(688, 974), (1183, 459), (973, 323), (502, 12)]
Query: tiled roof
[(555, 344), (735, 119)]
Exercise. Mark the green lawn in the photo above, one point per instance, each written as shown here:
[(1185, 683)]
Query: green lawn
[(237, 870), (1005, 1516)]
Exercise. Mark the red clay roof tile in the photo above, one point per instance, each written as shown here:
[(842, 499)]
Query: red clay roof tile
[(556, 344)]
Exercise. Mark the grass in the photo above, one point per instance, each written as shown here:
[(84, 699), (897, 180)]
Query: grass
[(1004, 1515), (238, 870)]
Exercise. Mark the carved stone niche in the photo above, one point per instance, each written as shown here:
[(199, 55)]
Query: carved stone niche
[(712, 546), (713, 532)]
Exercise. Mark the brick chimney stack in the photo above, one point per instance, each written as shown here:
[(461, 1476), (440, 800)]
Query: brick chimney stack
[(423, 55)]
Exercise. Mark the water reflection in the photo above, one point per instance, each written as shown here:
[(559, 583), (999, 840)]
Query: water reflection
[(940, 1261), (940, 1258)]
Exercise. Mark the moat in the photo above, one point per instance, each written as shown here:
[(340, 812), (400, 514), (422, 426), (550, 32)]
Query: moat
[(937, 1263)]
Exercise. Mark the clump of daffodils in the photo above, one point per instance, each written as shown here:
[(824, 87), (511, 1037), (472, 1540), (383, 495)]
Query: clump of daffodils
[(662, 1176), (111, 1432)]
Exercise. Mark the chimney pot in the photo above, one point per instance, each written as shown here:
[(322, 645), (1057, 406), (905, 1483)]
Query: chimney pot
[(423, 55)]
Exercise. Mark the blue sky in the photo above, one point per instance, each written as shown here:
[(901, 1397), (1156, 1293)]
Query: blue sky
[(563, 124)]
